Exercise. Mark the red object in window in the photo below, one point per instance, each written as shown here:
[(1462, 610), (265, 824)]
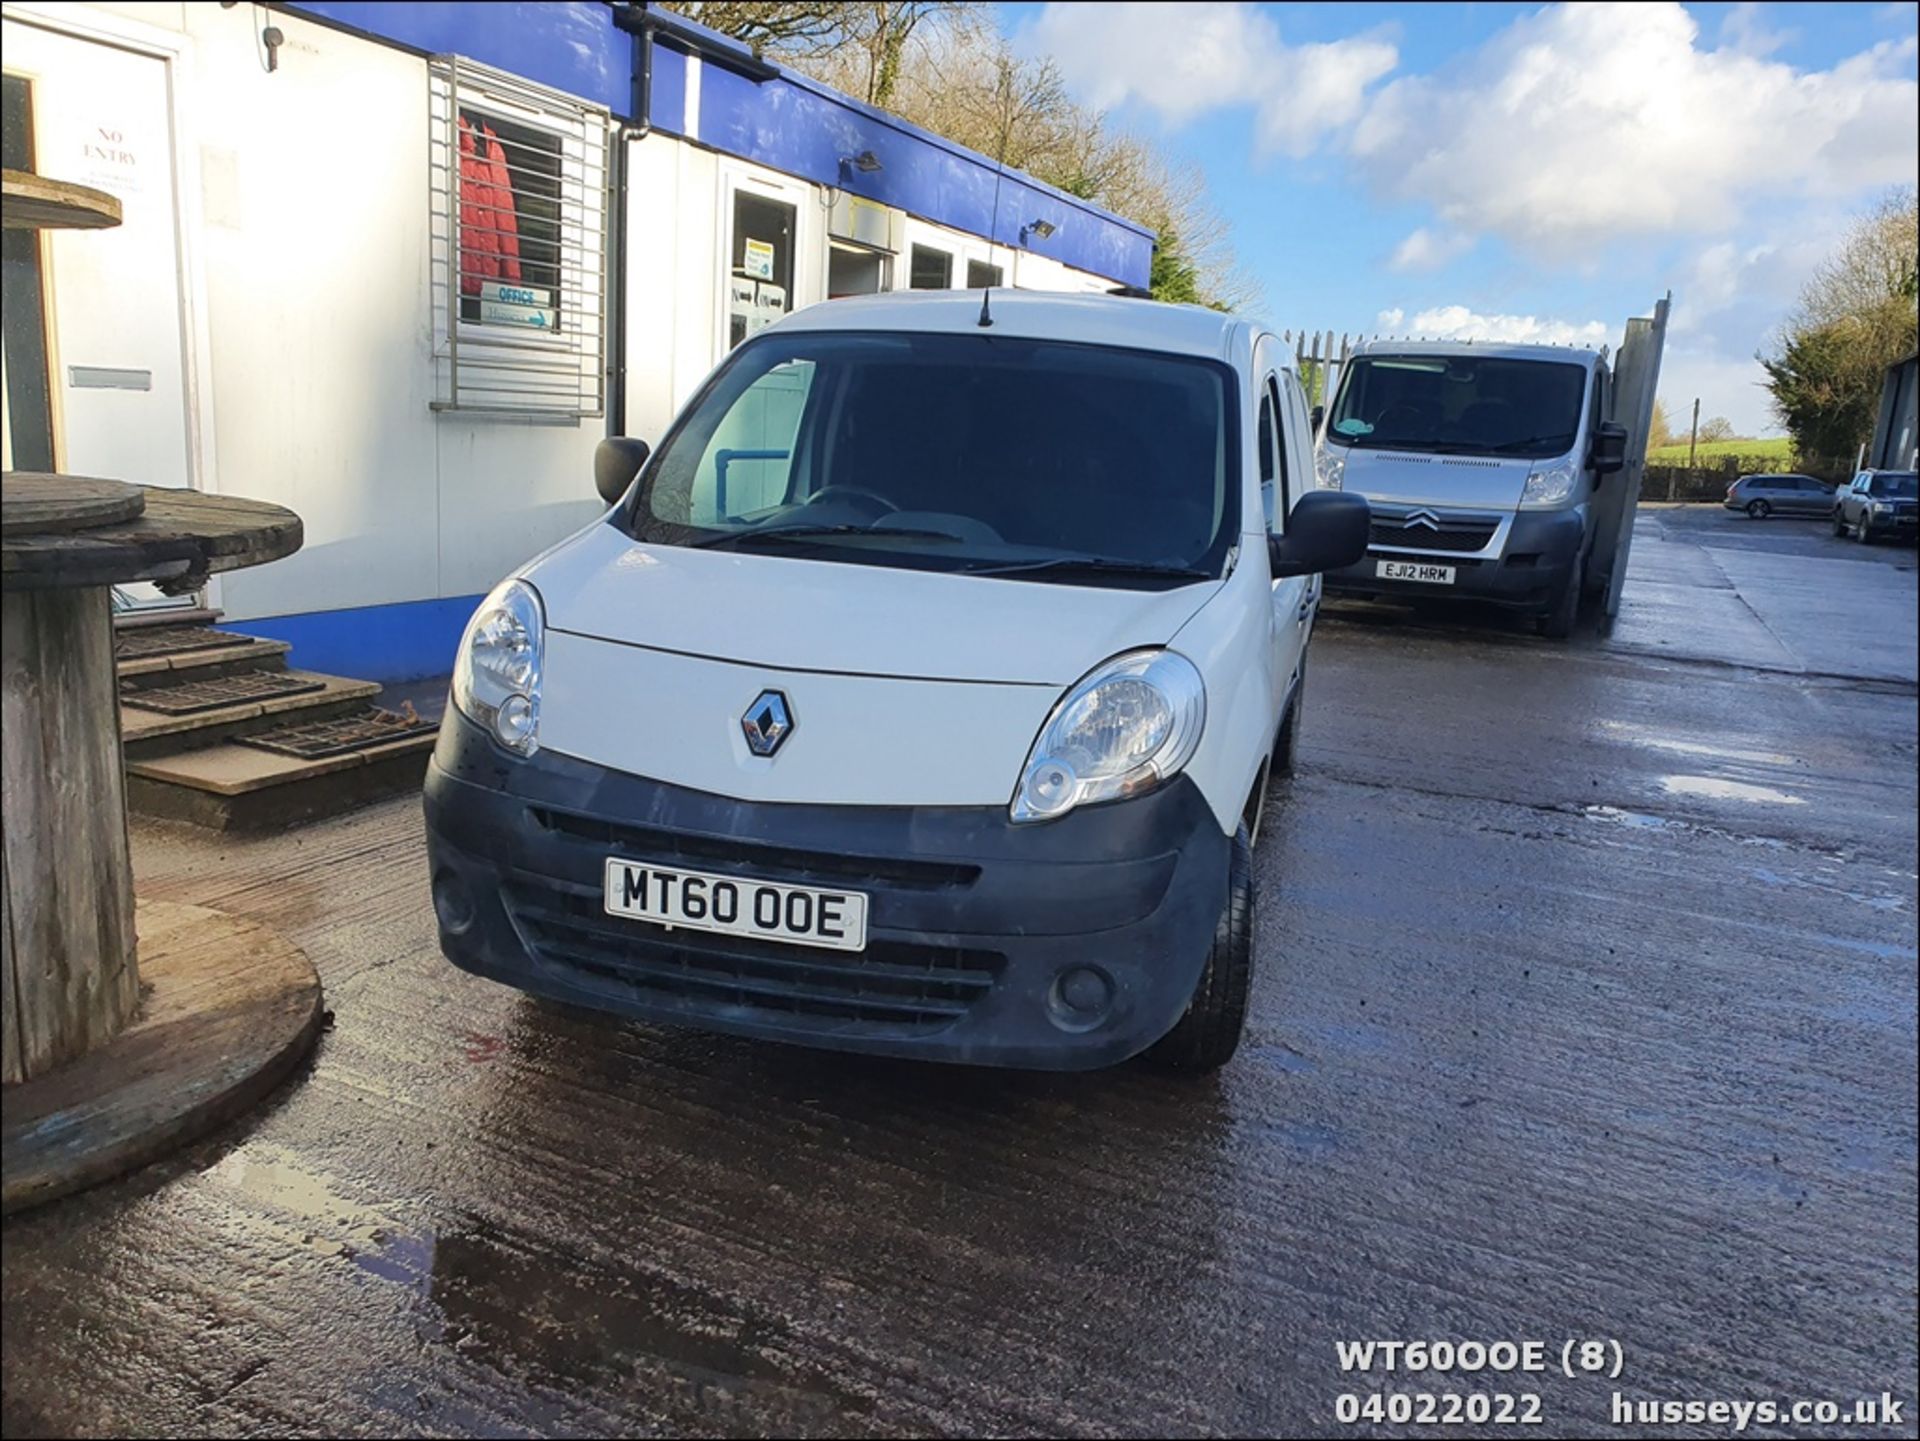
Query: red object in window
[(489, 230)]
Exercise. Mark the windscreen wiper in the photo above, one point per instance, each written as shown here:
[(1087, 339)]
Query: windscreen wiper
[(1526, 442), (810, 532), (1091, 565)]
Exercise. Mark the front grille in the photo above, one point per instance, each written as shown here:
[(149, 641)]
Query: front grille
[(755, 858), (889, 989), (1449, 538)]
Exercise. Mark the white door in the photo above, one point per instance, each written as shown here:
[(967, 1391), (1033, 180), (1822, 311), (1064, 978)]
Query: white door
[(116, 348), (1293, 596)]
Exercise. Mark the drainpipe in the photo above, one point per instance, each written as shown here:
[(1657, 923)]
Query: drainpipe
[(644, 23)]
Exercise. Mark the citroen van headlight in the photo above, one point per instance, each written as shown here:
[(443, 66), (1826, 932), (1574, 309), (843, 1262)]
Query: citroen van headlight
[(1131, 724), (1331, 465), (496, 678), (1548, 487)]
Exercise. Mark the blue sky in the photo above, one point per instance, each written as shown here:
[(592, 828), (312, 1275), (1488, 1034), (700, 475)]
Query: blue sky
[(1515, 170)]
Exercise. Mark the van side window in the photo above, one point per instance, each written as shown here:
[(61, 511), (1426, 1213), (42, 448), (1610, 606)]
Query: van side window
[(1270, 460), (1292, 418)]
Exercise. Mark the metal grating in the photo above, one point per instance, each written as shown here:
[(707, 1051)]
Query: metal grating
[(519, 244), (317, 740), (219, 692), (148, 642)]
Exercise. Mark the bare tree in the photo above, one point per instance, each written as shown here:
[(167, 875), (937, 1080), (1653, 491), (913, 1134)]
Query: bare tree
[(1716, 427)]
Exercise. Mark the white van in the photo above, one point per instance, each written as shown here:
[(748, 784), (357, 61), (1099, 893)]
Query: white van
[(918, 694)]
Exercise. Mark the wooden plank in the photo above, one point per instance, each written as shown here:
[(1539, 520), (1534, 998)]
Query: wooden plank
[(182, 537), (33, 502), (231, 1007), (72, 980), (38, 202)]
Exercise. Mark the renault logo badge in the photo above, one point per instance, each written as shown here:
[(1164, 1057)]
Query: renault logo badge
[(767, 722)]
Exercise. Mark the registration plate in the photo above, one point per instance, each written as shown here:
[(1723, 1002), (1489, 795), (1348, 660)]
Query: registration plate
[(737, 906), (1414, 570)]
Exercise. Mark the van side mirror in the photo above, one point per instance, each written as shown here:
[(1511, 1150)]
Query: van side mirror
[(616, 461), (1326, 529), (1314, 420), (1609, 449)]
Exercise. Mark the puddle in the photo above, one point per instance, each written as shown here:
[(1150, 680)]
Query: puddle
[(1712, 788), (1635, 820)]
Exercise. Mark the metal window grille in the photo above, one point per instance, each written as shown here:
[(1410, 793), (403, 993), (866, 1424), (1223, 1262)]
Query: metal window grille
[(519, 268)]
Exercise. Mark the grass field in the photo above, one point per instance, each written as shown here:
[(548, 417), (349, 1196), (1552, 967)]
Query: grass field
[(1774, 454)]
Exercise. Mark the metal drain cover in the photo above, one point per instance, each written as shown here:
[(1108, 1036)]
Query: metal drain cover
[(173, 640), (315, 740), (221, 691)]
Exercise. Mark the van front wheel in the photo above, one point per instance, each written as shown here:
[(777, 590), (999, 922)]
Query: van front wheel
[(1558, 623), (1208, 1033)]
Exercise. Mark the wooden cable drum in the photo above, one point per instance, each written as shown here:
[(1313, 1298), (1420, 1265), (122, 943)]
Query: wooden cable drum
[(35, 202)]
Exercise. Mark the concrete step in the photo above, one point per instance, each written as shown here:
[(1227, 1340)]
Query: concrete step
[(214, 661), (147, 733), (236, 787)]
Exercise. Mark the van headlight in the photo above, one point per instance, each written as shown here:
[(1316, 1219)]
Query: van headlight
[(1331, 466), (1131, 724), (496, 677), (1549, 487)]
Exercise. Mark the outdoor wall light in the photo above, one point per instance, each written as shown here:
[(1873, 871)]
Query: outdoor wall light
[(1039, 229), (866, 162)]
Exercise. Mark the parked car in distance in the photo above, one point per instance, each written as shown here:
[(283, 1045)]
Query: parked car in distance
[(1763, 495), (1877, 504), (918, 695)]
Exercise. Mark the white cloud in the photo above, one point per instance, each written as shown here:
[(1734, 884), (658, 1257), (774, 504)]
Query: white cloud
[(1428, 249), (1580, 124), (1185, 58), (1458, 322), (1744, 28)]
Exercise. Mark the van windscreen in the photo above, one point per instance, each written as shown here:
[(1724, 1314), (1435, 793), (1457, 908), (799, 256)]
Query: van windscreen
[(1468, 405), (1036, 459)]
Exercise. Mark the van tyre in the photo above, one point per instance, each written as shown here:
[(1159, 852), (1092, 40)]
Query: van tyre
[(1208, 1032), (1286, 745), (1558, 623), (1759, 509)]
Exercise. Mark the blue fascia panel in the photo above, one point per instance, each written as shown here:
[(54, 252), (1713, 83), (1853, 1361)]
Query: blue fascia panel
[(567, 45), (411, 640), (790, 123)]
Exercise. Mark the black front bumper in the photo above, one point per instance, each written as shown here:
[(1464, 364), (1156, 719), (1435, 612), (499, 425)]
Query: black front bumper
[(1530, 572), (973, 921)]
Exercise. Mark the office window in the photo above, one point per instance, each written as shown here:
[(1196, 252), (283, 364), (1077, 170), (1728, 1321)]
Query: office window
[(930, 269), (852, 270), (519, 227), (980, 275), (760, 282)]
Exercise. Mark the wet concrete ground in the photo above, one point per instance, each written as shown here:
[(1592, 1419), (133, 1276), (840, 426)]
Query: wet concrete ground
[(1585, 1009)]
